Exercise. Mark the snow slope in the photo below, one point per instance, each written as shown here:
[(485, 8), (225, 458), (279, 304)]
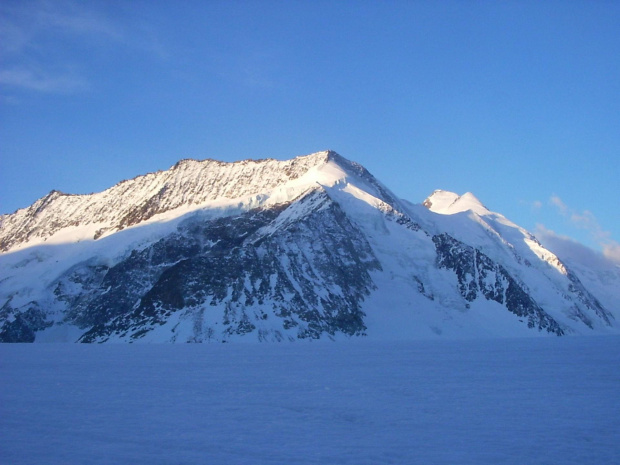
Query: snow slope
[(546, 277)]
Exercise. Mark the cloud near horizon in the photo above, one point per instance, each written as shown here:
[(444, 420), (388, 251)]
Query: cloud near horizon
[(587, 221), (568, 248)]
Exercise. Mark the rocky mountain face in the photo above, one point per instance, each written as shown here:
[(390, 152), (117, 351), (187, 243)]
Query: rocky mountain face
[(187, 183), (309, 248)]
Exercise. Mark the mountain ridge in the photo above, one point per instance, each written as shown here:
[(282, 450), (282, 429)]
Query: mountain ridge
[(308, 248), (129, 202)]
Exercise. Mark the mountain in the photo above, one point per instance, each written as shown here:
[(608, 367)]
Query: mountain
[(263, 250)]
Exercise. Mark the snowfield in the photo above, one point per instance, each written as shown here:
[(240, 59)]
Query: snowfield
[(491, 401)]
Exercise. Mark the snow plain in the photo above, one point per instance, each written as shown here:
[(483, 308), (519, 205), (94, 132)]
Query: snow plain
[(490, 401)]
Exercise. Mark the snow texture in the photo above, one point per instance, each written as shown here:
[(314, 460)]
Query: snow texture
[(493, 401)]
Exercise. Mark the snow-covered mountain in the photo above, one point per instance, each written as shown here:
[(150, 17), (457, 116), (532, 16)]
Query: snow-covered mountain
[(309, 248)]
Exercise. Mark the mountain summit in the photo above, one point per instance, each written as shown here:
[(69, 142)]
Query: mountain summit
[(264, 250), (188, 185), (447, 203)]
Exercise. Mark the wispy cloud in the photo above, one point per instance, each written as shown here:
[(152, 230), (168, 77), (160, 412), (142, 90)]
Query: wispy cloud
[(74, 18), (38, 41), (569, 249), (30, 25), (612, 251), (587, 221), (557, 202), (42, 82), (32, 38), (536, 205)]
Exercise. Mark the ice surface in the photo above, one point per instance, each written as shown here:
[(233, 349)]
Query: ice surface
[(492, 401)]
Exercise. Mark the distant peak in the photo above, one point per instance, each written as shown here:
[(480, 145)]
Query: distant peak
[(440, 200), (333, 155), (53, 194), (471, 200), (323, 156), (186, 161), (448, 203)]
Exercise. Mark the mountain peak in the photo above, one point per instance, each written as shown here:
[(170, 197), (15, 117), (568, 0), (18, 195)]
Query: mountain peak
[(449, 203), (187, 185), (309, 247)]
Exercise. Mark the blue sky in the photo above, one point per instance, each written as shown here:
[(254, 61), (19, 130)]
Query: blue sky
[(517, 102)]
